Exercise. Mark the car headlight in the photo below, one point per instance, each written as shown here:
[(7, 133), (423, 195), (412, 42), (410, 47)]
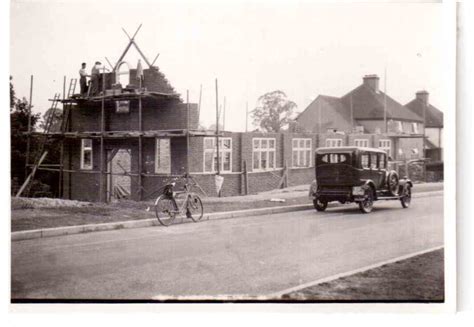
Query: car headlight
[(357, 190)]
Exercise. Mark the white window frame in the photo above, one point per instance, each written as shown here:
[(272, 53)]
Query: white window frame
[(414, 127), (268, 150), (85, 148), (305, 150), (364, 142), (158, 169), (334, 143), (386, 145), (213, 151)]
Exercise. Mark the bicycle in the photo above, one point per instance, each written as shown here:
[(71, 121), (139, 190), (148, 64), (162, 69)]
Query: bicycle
[(166, 207)]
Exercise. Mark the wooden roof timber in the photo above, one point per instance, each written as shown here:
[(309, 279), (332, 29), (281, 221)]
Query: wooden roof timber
[(122, 96)]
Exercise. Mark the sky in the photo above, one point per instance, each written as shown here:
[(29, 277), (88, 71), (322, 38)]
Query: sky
[(304, 48)]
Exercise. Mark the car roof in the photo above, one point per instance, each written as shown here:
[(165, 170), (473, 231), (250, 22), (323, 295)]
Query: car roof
[(347, 149)]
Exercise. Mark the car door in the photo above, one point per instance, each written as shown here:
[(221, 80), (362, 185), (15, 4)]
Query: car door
[(364, 161), (377, 172)]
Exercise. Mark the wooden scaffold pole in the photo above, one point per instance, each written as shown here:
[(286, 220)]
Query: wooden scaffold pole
[(187, 136), (102, 130), (61, 150), (28, 138), (140, 141)]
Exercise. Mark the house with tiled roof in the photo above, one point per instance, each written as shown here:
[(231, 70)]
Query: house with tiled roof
[(433, 118), (367, 110)]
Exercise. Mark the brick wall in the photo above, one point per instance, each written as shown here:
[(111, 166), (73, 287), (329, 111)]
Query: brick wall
[(153, 80), (85, 186), (157, 115)]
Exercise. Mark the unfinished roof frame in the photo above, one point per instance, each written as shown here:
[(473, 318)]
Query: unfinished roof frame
[(64, 133)]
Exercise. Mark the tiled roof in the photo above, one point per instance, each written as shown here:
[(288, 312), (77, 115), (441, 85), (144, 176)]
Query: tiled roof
[(309, 116), (368, 104), (434, 116)]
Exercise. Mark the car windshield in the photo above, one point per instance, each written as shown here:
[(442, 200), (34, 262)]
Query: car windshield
[(333, 158)]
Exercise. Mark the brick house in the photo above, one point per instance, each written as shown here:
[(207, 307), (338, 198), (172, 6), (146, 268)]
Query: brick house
[(369, 117), (127, 143), (433, 124)]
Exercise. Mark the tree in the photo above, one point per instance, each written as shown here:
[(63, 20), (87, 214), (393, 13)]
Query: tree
[(56, 120), (19, 109), (12, 94), (273, 112)]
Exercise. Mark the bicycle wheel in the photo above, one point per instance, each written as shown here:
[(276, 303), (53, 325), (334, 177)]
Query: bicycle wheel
[(165, 210), (195, 208)]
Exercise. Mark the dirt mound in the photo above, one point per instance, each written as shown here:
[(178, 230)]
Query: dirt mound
[(33, 203)]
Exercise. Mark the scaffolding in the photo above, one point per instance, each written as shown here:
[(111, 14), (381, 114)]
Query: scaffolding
[(71, 99)]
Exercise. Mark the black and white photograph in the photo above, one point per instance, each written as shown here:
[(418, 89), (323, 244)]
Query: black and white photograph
[(247, 152)]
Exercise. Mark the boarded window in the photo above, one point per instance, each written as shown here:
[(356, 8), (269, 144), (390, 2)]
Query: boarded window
[(163, 156)]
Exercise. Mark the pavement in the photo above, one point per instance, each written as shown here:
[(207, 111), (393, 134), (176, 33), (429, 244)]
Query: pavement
[(258, 200), (248, 258)]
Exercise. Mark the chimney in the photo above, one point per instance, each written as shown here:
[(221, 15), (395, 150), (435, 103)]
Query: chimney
[(372, 81), (423, 96)]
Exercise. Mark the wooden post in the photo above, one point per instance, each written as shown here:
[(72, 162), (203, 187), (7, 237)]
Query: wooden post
[(28, 138), (102, 130), (246, 177), (61, 150), (140, 142), (187, 136), (385, 102), (217, 134), (31, 175), (217, 128)]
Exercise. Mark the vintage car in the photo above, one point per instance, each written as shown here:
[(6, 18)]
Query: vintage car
[(356, 174)]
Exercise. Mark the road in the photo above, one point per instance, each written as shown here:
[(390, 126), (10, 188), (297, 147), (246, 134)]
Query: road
[(242, 257)]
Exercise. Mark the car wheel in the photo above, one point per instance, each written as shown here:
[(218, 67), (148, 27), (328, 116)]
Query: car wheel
[(320, 205), (367, 204), (406, 197), (392, 183)]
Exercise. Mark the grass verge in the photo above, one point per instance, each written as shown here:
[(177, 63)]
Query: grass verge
[(26, 217), (420, 278)]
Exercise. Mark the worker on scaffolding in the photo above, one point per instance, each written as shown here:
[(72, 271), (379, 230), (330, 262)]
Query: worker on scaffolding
[(94, 86), (83, 79)]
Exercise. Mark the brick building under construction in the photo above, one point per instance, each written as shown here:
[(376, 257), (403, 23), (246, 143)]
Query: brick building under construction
[(135, 134)]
